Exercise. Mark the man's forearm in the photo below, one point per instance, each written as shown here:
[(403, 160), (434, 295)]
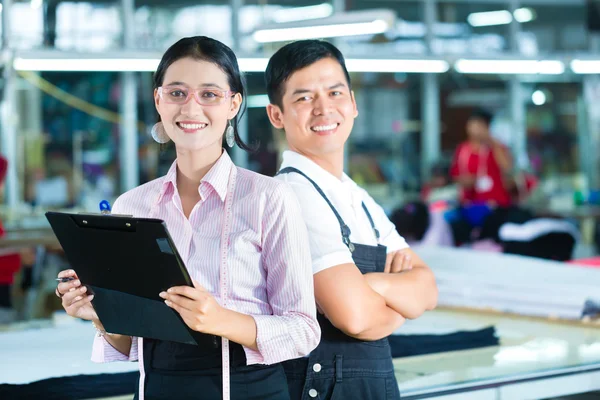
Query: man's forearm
[(503, 159), (390, 320), (409, 293), (467, 181)]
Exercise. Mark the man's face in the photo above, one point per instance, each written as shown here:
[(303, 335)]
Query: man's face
[(318, 109), (477, 129)]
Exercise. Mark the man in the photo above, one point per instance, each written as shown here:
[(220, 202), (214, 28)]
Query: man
[(481, 165), (367, 279)]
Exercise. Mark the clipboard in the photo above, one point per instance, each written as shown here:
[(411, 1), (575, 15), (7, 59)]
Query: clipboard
[(126, 262)]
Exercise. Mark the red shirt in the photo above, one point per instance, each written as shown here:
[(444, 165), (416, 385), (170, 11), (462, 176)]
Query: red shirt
[(9, 265), (490, 186)]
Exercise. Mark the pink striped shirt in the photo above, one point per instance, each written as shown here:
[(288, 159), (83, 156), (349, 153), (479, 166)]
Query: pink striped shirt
[(270, 275)]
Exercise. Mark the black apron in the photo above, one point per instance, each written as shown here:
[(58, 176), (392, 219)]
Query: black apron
[(342, 367), (184, 371)]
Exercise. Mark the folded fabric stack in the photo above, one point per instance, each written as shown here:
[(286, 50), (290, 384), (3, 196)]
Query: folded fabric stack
[(414, 345), (53, 362), (76, 387), (513, 284)]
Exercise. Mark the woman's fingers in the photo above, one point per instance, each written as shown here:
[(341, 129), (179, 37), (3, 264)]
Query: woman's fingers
[(63, 287)]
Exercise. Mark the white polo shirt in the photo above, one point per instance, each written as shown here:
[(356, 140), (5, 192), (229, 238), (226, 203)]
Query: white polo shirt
[(326, 245)]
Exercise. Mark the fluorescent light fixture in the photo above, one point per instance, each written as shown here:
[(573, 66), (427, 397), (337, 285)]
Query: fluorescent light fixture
[(538, 98), (302, 13), (114, 64), (342, 24), (35, 4), (500, 17), (585, 66), (542, 67), (316, 32), (0, 7), (253, 64), (490, 18), (257, 101), (419, 29), (149, 62), (85, 64), (523, 15), (414, 66)]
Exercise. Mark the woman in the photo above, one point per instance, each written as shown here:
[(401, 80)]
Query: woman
[(225, 221)]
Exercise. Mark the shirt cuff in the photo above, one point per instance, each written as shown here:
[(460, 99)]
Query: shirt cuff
[(331, 260), (103, 352), (267, 349), (273, 340)]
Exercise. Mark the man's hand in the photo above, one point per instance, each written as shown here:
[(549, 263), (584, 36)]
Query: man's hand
[(397, 261), (468, 181)]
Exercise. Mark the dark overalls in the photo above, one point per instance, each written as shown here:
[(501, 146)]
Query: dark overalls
[(184, 371), (342, 367)]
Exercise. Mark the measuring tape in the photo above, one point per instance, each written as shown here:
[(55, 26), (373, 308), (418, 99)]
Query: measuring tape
[(223, 275)]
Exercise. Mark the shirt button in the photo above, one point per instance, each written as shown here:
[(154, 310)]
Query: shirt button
[(313, 393), (317, 367)]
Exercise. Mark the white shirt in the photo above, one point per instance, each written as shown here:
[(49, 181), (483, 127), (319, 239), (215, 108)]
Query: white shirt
[(326, 245)]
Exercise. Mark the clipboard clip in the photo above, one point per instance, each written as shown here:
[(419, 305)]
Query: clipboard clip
[(105, 209)]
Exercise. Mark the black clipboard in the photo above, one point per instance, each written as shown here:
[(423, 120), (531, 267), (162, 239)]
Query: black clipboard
[(126, 262)]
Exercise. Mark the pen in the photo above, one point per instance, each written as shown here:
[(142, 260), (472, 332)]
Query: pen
[(63, 280), (104, 207)]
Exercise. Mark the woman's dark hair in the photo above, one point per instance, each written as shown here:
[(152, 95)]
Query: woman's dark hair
[(411, 220), (206, 49), (293, 57)]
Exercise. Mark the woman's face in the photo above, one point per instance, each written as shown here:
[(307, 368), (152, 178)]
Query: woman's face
[(195, 103)]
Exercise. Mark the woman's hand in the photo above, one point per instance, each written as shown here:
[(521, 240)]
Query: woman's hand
[(198, 308), (75, 299)]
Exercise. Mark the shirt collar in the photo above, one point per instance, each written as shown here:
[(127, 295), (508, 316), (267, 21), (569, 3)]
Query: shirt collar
[(217, 178), (322, 177)]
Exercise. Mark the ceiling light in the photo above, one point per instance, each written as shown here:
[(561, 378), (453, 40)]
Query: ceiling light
[(585, 66), (253, 64), (544, 67), (35, 4), (538, 98), (523, 15), (84, 64), (500, 17), (414, 66), (114, 64), (341, 24), (302, 13), (149, 62)]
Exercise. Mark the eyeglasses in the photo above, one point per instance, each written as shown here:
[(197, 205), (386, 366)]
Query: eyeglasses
[(181, 95)]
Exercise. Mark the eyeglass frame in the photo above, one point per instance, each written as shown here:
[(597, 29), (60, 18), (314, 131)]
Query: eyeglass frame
[(195, 94)]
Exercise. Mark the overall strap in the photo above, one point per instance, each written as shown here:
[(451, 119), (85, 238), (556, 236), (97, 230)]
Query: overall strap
[(343, 227), (375, 230)]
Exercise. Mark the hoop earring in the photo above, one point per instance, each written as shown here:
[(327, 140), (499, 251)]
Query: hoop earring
[(158, 133)]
